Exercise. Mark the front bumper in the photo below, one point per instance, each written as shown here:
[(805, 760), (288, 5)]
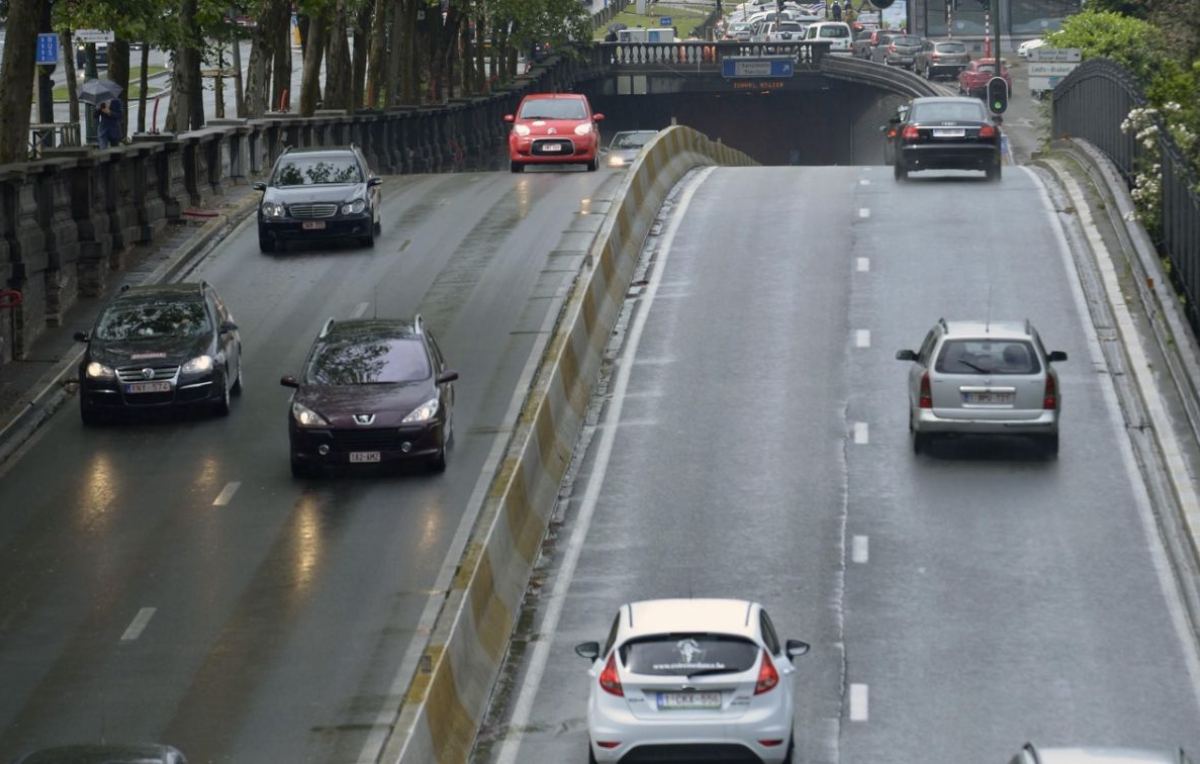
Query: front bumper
[(949, 156), (341, 226), (722, 739), (532, 149), (184, 392), (936, 421), (333, 447)]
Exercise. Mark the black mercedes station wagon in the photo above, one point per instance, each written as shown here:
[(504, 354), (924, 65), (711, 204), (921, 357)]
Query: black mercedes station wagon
[(372, 391), (168, 345), (325, 193)]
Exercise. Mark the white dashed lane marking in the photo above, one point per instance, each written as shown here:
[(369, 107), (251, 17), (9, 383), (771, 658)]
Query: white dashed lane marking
[(858, 703), (860, 549), (863, 265), (862, 338), (864, 182), (864, 213), (226, 494), (138, 624), (861, 434)]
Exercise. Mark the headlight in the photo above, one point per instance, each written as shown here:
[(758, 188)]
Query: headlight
[(99, 371), (306, 417), (583, 129), (616, 161), (198, 365), (423, 413), (521, 130), (354, 207), (272, 210)]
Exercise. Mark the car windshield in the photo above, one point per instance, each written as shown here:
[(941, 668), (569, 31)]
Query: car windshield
[(311, 171), (150, 319), (790, 26), (353, 360), (906, 40), (951, 47), (988, 356), (553, 108), (634, 140), (687, 654), (949, 111), (834, 31)]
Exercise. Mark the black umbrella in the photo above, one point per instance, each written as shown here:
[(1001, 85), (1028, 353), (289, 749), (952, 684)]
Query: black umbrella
[(617, 26), (95, 91)]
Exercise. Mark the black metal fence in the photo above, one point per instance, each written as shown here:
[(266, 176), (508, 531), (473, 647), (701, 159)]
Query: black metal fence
[(1091, 103)]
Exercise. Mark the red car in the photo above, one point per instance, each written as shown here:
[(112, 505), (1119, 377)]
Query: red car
[(551, 128), (973, 80)]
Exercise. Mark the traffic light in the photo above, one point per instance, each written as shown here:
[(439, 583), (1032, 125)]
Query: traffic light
[(997, 95)]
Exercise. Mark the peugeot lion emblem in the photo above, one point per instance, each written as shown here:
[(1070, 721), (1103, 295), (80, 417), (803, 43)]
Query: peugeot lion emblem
[(147, 373), (364, 419)]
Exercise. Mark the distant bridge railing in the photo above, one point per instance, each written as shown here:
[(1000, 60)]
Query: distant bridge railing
[(1091, 103), (700, 56)]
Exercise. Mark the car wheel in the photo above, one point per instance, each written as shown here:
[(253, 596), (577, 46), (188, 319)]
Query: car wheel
[(368, 241), (378, 227), (592, 165), (221, 406), (237, 383), (591, 755), (900, 171), (266, 243), (90, 416), (302, 469), (790, 756), (993, 171), (437, 462), (1049, 444), (516, 166), (920, 442)]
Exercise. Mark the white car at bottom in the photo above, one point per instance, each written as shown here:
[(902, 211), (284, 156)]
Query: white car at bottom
[(691, 680)]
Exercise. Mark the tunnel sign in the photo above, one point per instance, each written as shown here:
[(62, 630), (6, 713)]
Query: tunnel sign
[(764, 67)]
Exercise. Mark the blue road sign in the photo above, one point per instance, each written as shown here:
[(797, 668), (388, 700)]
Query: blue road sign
[(771, 67), (47, 49), (664, 21)]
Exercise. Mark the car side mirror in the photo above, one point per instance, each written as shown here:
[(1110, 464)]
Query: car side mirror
[(447, 376), (597, 117), (589, 650), (906, 355), (894, 120), (509, 118), (228, 327), (375, 181), (1057, 356), (83, 337), (289, 381), (795, 648), (259, 186)]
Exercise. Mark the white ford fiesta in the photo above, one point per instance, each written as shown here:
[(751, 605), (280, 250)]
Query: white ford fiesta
[(691, 680)]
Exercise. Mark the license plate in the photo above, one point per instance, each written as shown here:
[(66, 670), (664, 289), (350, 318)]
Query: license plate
[(686, 700), (552, 147), (992, 399), (943, 133), (148, 387), (364, 457), (313, 225)]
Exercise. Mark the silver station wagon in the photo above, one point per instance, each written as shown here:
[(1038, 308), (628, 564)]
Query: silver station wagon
[(977, 377)]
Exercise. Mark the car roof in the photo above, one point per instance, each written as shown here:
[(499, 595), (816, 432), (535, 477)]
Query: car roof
[(1106, 755), (554, 96), (319, 150), (996, 329), (668, 616)]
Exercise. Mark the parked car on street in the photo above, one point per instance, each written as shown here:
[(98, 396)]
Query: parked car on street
[(319, 193), (865, 43), (553, 128), (160, 347), (898, 50), (371, 391), (983, 378), (941, 58), (973, 81), (945, 133), (691, 679)]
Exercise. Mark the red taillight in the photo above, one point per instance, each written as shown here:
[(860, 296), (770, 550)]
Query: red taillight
[(987, 131), (1050, 399), (926, 397), (609, 681), (891, 48), (911, 133), (936, 56), (608, 743), (771, 743), (768, 677)]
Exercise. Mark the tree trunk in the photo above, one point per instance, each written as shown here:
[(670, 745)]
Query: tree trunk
[(362, 41), (310, 82), (185, 79), (16, 87), (376, 64), (282, 67), (263, 39), (338, 76), (144, 82), (68, 46), (481, 70), (398, 45), (118, 72)]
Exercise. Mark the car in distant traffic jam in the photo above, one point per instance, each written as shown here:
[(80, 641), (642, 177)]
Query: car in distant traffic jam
[(627, 145), (319, 193), (941, 58), (983, 378), (553, 128), (691, 680), (973, 81), (945, 133), (371, 391), (162, 346)]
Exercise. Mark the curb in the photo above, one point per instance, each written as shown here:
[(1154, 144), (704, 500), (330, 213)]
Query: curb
[(51, 390), (448, 696)]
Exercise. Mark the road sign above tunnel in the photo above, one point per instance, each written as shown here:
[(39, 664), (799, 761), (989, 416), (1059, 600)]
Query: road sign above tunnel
[(757, 67)]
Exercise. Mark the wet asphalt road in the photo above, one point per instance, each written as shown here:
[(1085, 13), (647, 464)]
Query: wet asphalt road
[(280, 618), (983, 594)]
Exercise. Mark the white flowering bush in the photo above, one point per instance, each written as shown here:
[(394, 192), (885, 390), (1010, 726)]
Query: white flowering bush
[(1143, 123)]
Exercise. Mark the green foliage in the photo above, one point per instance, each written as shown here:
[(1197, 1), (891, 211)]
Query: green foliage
[(553, 21), (1134, 43)]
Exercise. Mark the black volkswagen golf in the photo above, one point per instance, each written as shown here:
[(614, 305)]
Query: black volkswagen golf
[(319, 193), (160, 346), (372, 391)]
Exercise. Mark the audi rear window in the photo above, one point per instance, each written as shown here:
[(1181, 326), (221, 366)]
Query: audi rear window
[(987, 356), (355, 361), (949, 111), (833, 31), (553, 108), (906, 40), (689, 654)]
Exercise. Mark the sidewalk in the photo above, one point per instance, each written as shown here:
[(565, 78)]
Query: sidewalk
[(33, 388)]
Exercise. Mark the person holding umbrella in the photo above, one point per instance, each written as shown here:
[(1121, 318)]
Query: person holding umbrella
[(109, 115)]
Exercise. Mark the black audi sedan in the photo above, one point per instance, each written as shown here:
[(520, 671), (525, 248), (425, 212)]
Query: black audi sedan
[(327, 193), (161, 346), (372, 391), (941, 133)]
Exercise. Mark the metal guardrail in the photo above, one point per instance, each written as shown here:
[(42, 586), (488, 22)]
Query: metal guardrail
[(891, 78), (700, 56), (1091, 103)]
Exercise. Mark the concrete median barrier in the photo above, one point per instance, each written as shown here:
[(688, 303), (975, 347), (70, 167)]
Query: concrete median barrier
[(448, 696)]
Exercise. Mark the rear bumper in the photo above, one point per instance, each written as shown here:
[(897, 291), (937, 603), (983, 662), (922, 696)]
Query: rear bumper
[(929, 421), (946, 70), (949, 156), (899, 60)]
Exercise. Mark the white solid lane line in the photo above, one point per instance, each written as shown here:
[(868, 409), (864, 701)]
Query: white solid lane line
[(862, 338), (523, 707), (859, 694), (226, 494), (361, 310), (864, 213), (864, 182), (860, 549), (861, 434), (864, 264), (138, 624)]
